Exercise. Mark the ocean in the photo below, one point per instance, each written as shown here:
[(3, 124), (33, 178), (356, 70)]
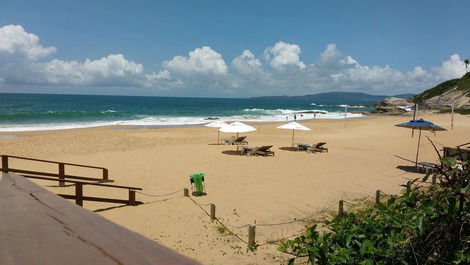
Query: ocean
[(35, 112)]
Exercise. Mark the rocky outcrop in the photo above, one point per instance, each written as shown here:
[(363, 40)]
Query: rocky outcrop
[(460, 99), (393, 106), (455, 92)]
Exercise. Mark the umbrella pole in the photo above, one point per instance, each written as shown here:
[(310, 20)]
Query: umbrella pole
[(417, 150), (237, 144), (414, 118), (293, 137)]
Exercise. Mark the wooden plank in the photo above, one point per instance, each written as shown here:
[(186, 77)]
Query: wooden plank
[(39, 227), (84, 183), (100, 199), (52, 162), (22, 171)]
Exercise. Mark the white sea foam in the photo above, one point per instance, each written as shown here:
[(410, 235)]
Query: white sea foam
[(339, 105), (109, 111), (253, 115)]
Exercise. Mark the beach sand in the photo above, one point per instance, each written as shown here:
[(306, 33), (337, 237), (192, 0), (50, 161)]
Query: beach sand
[(291, 185)]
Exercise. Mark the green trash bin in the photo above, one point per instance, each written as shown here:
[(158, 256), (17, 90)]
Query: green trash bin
[(198, 181)]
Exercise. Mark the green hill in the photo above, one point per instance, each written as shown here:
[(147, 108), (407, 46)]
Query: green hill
[(461, 84)]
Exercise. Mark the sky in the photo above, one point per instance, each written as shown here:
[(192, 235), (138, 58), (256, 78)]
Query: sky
[(202, 48)]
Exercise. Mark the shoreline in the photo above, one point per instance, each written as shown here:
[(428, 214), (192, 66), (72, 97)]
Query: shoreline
[(200, 125)]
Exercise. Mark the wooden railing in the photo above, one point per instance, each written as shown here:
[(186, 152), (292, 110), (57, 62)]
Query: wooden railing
[(460, 153), (60, 175), (79, 198), (77, 181)]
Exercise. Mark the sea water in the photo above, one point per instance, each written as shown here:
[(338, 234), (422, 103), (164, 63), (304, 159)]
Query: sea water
[(34, 112)]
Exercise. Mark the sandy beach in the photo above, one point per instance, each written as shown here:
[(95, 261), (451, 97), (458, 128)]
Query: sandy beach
[(266, 190)]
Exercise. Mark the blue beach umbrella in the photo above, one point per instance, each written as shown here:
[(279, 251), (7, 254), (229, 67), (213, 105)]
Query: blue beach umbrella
[(420, 125)]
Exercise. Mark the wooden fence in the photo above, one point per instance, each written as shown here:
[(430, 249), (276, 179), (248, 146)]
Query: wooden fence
[(78, 181)]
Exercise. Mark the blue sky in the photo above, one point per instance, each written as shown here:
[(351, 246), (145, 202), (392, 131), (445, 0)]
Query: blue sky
[(190, 48)]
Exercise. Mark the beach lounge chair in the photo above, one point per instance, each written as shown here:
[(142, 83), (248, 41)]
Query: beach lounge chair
[(427, 166), (236, 141), (263, 150), (245, 150), (229, 140), (302, 147), (318, 147)]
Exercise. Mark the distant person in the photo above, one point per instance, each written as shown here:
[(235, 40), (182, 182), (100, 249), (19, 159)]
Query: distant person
[(295, 117), (287, 118)]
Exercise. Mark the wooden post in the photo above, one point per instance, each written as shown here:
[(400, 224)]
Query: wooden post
[(434, 177), (79, 194), (105, 174), (4, 164), (61, 175), (293, 132), (251, 237), (377, 197), (452, 118), (417, 150), (341, 208), (132, 197), (212, 212), (414, 118), (186, 192)]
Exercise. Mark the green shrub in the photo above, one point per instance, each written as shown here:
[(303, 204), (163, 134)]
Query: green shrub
[(459, 111), (424, 225)]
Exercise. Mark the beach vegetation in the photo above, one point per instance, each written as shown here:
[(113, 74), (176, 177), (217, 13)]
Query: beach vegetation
[(221, 229), (460, 83), (425, 224), (459, 111)]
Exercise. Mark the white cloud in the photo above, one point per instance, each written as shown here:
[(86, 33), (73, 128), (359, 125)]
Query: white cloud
[(15, 41), (20, 54), (450, 69), (338, 71), (283, 55), (203, 72), (112, 69), (247, 63), (200, 61)]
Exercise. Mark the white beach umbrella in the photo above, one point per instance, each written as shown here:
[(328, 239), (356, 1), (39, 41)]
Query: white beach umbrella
[(237, 127), (293, 126), (217, 124)]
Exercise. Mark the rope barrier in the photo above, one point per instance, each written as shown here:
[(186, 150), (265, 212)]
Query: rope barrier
[(204, 204), (235, 226), (158, 195), (396, 193), (271, 242), (278, 240), (359, 202), (164, 200), (218, 221), (301, 219)]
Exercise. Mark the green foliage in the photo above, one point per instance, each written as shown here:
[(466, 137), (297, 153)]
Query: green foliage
[(461, 84), (424, 225), (459, 111), (435, 91), (464, 82), (221, 229)]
